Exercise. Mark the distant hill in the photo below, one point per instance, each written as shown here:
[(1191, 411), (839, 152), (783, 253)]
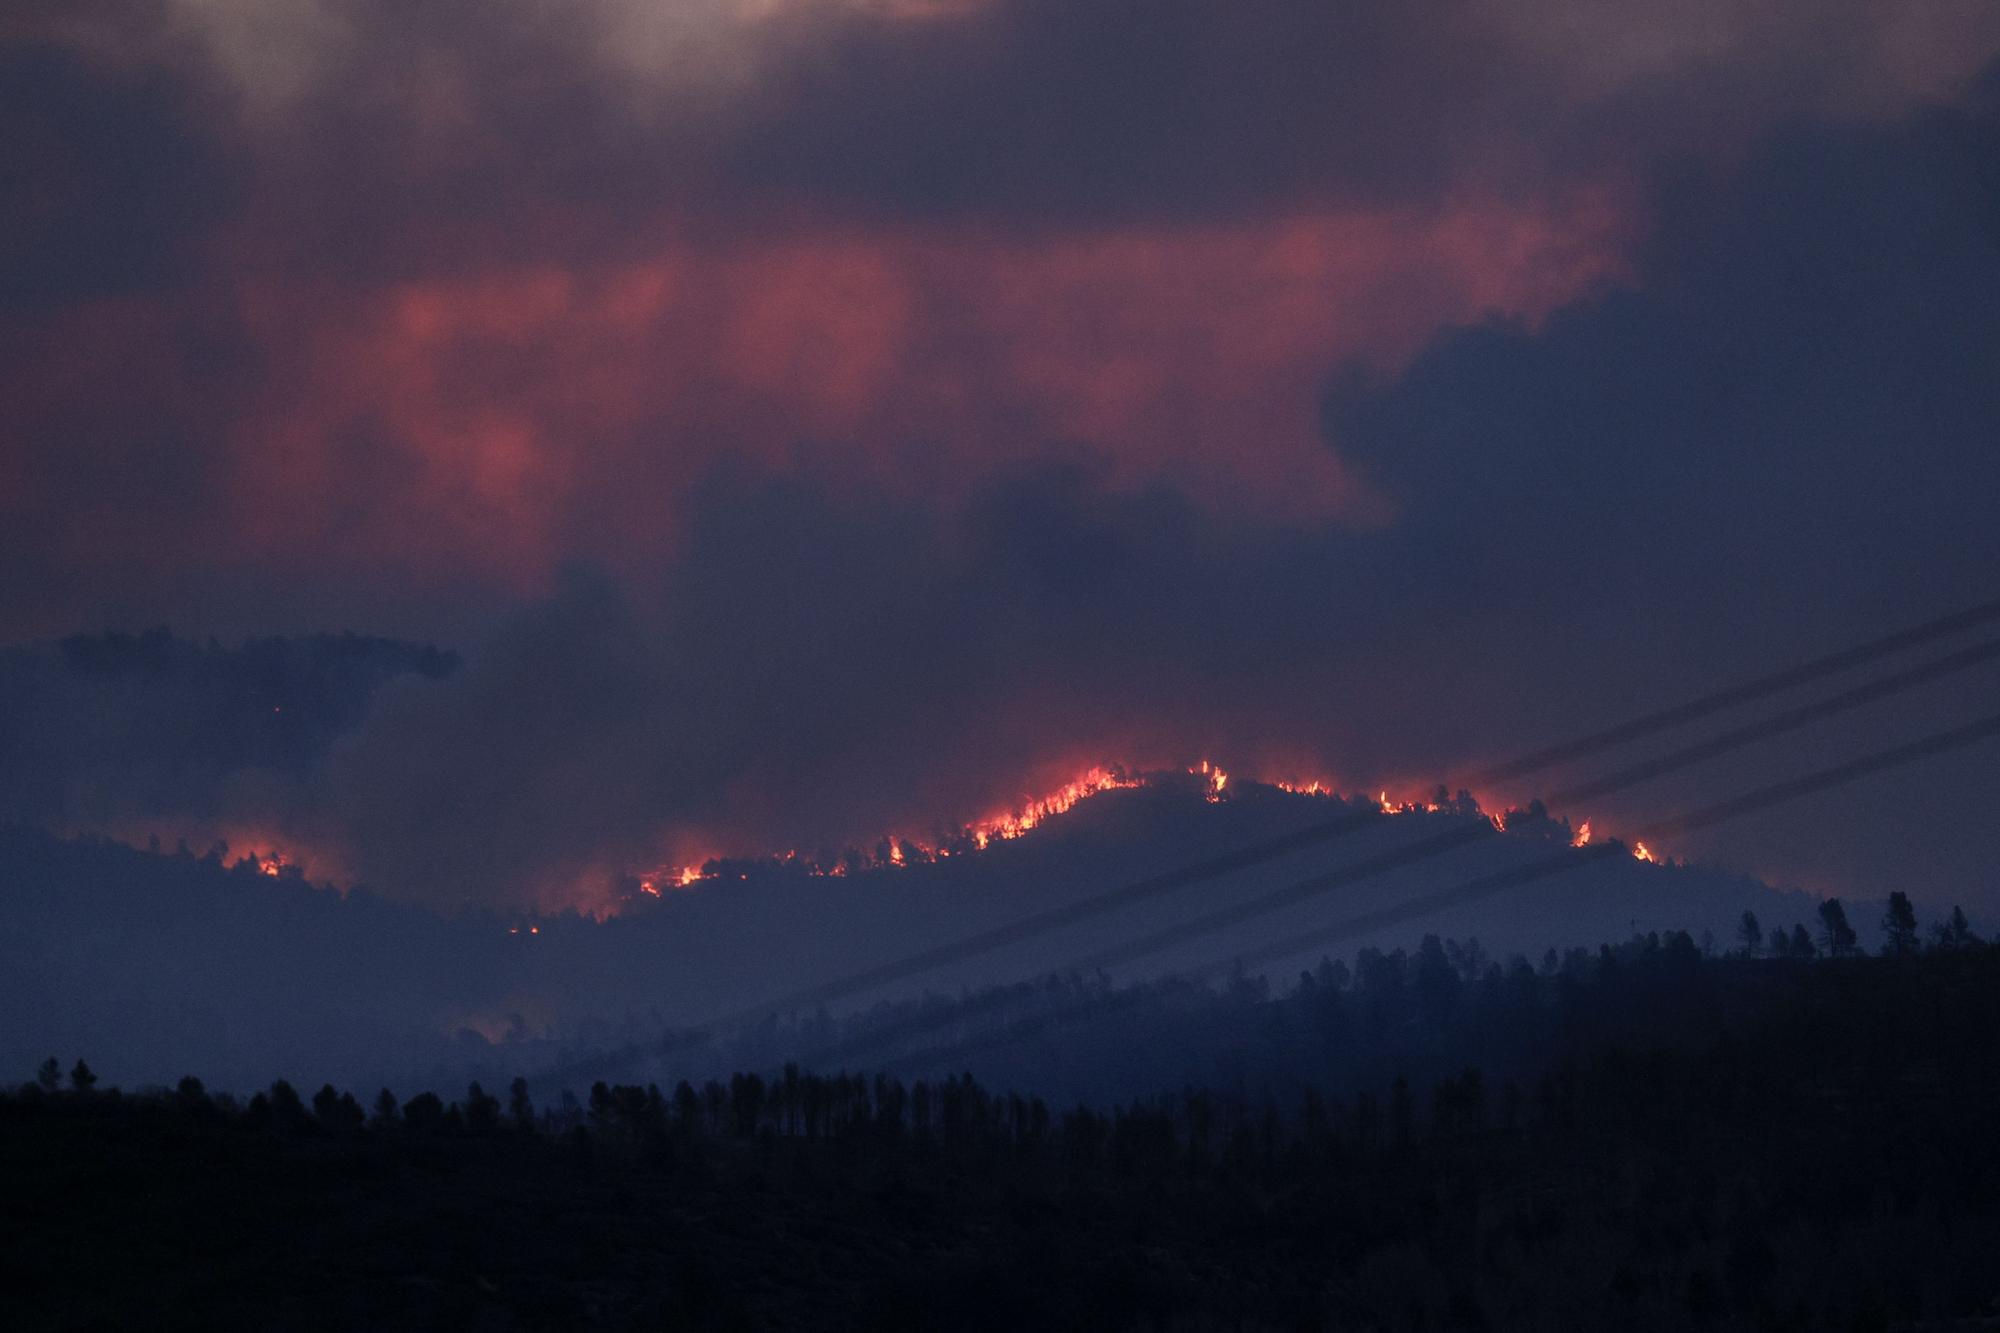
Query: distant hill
[(156, 964)]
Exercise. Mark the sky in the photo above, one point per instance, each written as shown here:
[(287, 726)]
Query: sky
[(814, 417)]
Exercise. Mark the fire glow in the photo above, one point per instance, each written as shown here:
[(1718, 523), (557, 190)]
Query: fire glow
[(894, 851)]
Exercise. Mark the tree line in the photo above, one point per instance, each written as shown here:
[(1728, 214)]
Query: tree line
[(1704, 1140)]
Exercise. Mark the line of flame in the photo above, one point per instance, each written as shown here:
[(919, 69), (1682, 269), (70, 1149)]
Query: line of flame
[(898, 851)]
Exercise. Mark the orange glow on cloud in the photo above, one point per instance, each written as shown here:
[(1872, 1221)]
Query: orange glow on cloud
[(528, 414)]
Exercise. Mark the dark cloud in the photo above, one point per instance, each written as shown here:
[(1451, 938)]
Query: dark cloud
[(550, 759), (819, 666), (456, 326), (151, 730), (373, 139), (1798, 387), (1781, 433), (1777, 435), (1034, 107), (109, 180)]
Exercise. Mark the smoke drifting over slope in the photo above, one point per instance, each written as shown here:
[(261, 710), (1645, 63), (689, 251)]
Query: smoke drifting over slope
[(157, 964), (929, 401)]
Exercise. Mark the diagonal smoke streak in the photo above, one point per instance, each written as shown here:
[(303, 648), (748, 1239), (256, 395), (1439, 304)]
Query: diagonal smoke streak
[(1353, 821), (1570, 858), (1056, 918), (1747, 692), (1839, 775), (1236, 913), (1791, 720), (1435, 845)]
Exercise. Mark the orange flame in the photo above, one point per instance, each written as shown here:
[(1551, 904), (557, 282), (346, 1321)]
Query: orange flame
[(1214, 780), (271, 864), (1012, 824), (895, 851)]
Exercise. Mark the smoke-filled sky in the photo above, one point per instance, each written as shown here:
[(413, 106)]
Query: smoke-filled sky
[(814, 417)]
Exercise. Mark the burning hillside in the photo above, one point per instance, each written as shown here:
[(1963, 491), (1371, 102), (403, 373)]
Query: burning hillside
[(897, 850)]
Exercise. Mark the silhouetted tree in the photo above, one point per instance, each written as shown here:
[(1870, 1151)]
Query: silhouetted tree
[(425, 1111), (1751, 934), (788, 1097), (1955, 932), (288, 1111), (1835, 933), (603, 1107), (518, 1105), (746, 1102), (1899, 926), (1802, 945), (1436, 980), (49, 1077), (80, 1077), (387, 1110), (890, 1099), (687, 1109), (338, 1111), (482, 1110), (1458, 1105)]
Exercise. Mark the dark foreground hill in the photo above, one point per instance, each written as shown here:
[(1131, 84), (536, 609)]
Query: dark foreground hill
[(1817, 1153)]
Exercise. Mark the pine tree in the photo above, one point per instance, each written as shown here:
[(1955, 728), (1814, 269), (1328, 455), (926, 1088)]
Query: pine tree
[(518, 1104), (1955, 933), (1899, 927), (1835, 933), (1752, 935)]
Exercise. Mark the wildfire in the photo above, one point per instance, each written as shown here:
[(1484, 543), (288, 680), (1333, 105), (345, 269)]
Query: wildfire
[(1382, 801), (1214, 780), (270, 864), (895, 851), (1012, 824)]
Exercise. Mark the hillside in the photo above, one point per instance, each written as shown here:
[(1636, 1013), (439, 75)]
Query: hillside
[(164, 963)]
